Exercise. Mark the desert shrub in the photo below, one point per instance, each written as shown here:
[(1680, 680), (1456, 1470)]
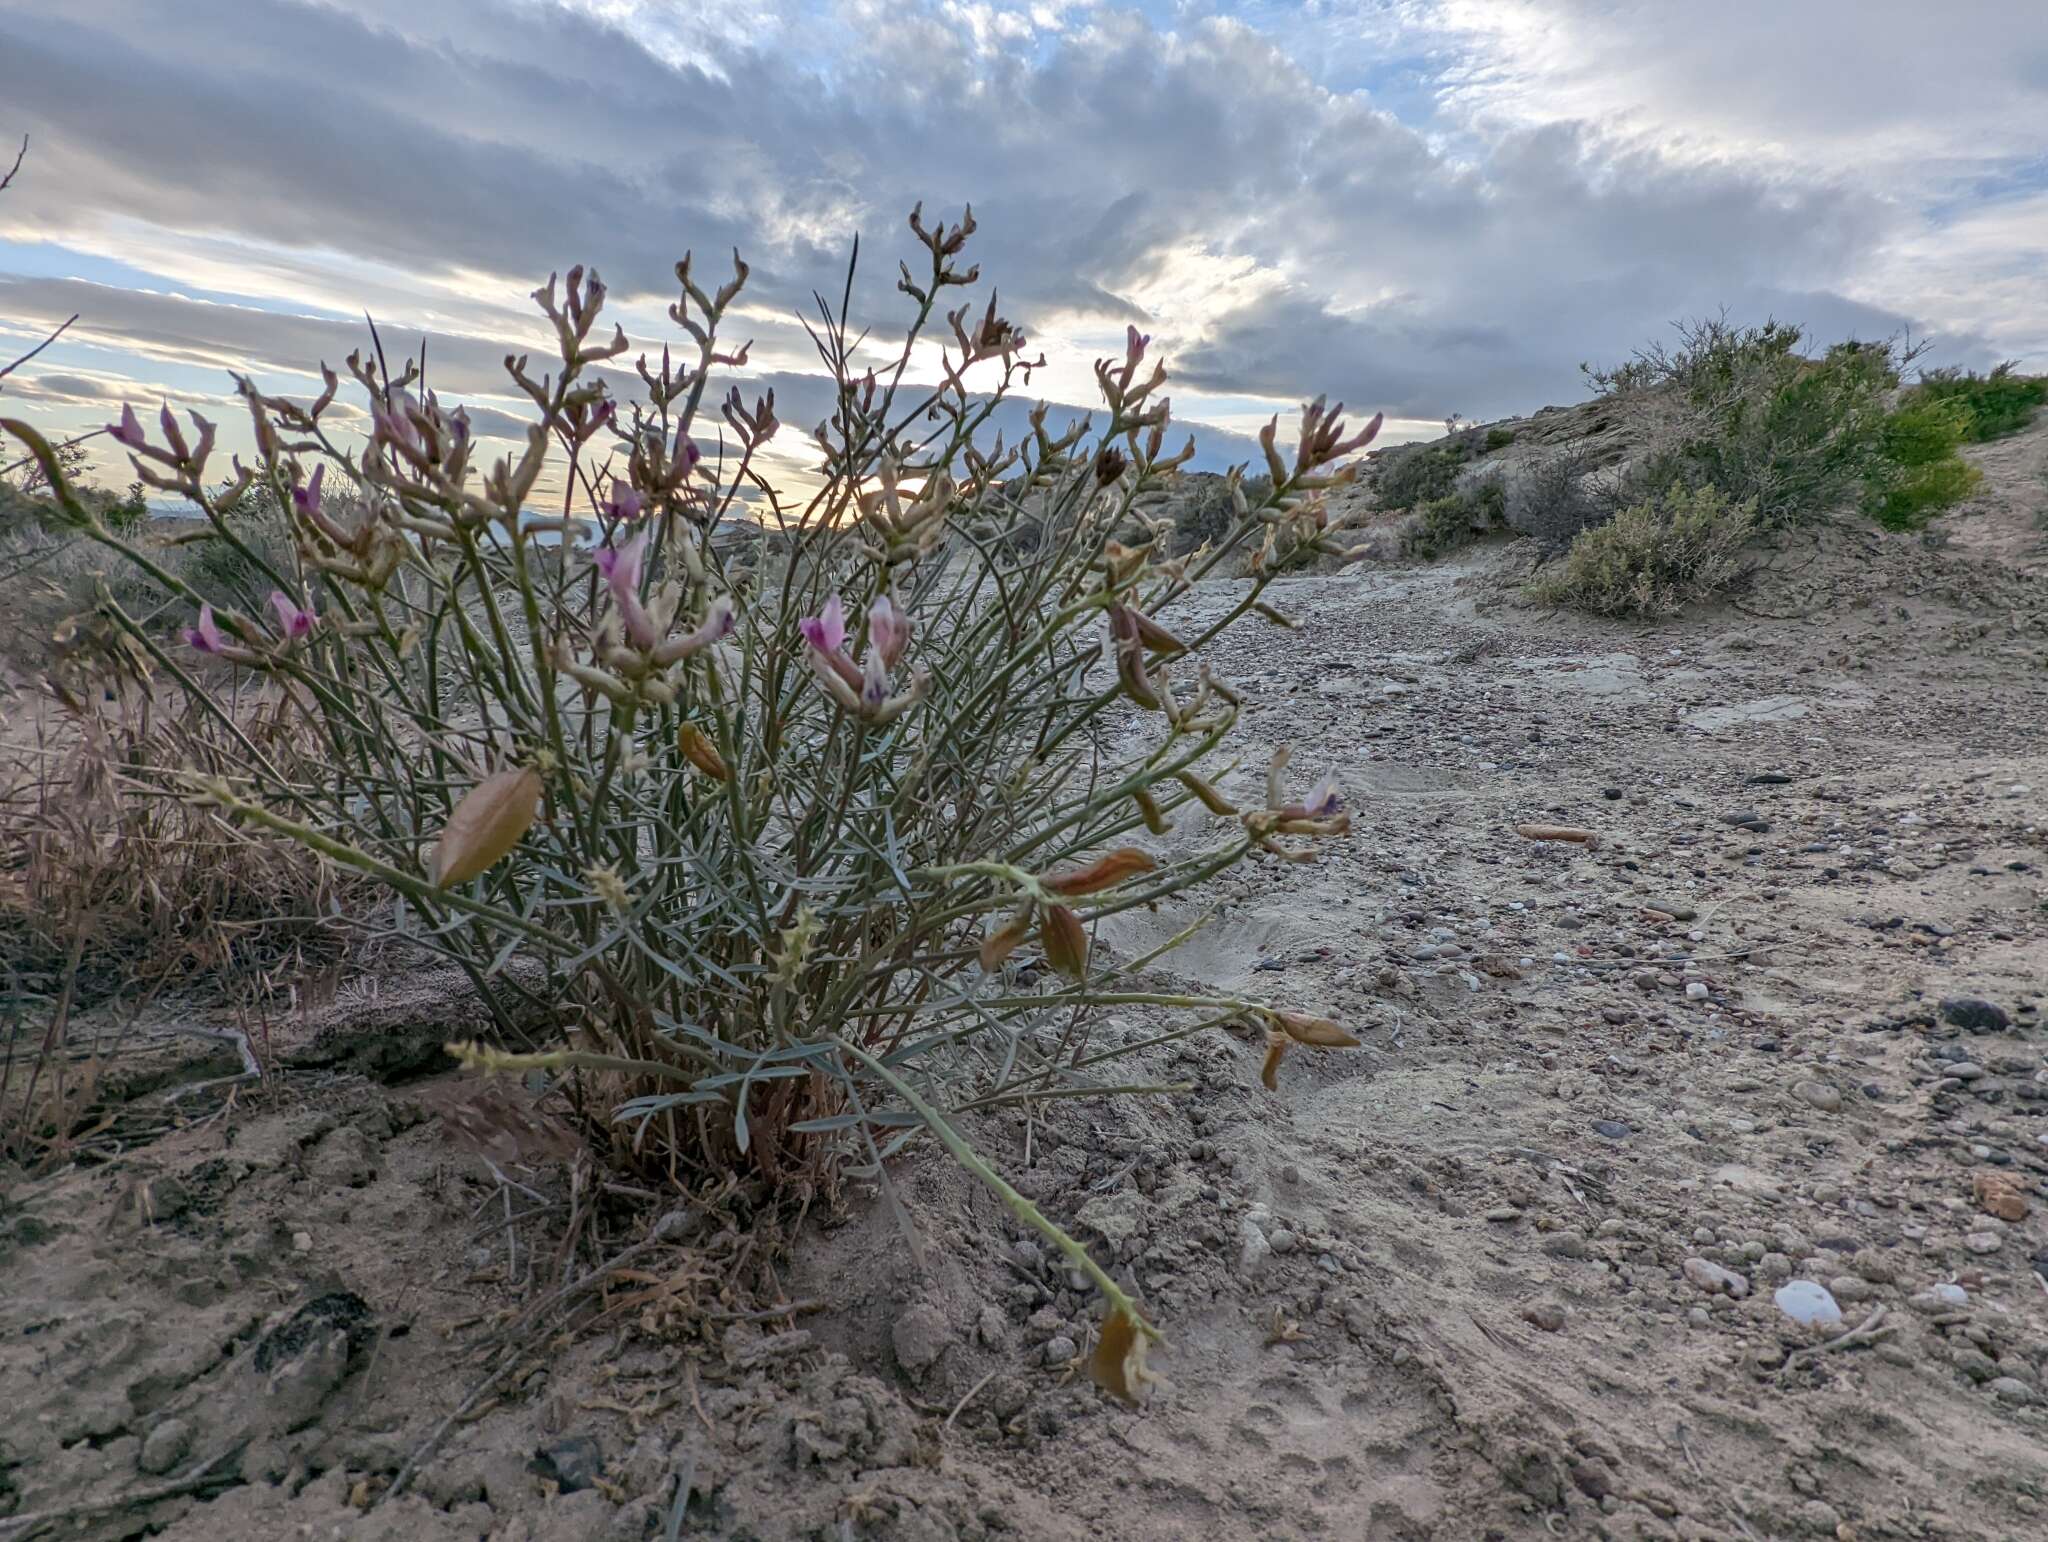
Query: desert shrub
[(1499, 439), (1654, 558), (1205, 509), (1554, 496), (1744, 410), (1994, 405), (1416, 474), (1445, 524), (1920, 473), (812, 862)]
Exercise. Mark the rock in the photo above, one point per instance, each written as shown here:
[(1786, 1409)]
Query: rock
[(992, 1327), (1807, 1303), (1820, 1518), (1940, 1298), (1984, 1242), (1821, 1096), (1547, 1315), (573, 1463), (1253, 1248), (1975, 1016), (345, 1159), (1610, 1129), (2010, 1389), (1851, 1287), (1975, 1364), (1696, 990), (1281, 1240), (1059, 1350), (1967, 1071), (1715, 1280), (1503, 1214), (297, 1388), (2000, 1194), (920, 1335), (165, 1446), (1775, 1267)]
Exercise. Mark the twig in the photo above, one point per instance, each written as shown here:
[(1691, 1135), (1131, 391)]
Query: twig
[(39, 347), (424, 1451), (1590, 839), (1869, 1331), (968, 1398)]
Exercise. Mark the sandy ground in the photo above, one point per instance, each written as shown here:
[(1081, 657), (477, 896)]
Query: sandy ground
[(1507, 1271)]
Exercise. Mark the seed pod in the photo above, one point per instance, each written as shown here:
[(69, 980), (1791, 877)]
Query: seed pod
[(1118, 1364), (1316, 1032), (1155, 636), (1065, 943), (699, 751), (486, 824), (1211, 799), (1005, 940), (1105, 872), (1154, 815), (1276, 1048)]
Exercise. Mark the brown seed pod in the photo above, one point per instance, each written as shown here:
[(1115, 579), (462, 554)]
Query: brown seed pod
[(1153, 815), (486, 824), (1005, 940), (1105, 872), (699, 751), (1118, 1364), (1276, 1050), (1212, 800), (1316, 1032), (1065, 943)]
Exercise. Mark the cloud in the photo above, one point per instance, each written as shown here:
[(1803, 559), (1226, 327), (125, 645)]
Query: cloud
[(1582, 173)]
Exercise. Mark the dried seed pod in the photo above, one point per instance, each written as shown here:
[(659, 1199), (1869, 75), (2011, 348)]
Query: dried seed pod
[(1005, 940), (1064, 941), (1316, 1032), (1211, 799), (486, 824), (1105, 872), (699, 751), (1118, 1364), (1276, 1049), (1154, 816)]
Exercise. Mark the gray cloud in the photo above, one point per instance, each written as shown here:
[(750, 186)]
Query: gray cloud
[(443, 139)]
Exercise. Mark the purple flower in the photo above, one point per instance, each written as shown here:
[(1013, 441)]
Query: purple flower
[(621, 503), (306, 497), (826, 631), (293, 622), (718, 622), (874, 685), (1135, 343), (1326, 800), (128, 431), (888, 630), (206, 637), (621, 569)]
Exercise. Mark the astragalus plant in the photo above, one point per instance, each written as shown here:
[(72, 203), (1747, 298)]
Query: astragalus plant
[(802, 829)]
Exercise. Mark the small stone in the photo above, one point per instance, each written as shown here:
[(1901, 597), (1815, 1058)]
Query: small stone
[(1281, 1240), (1502, 1214), (1852, 1287), (1060, 1349), (165, 1446), (302, 1242), (1975, 1364), (571, 1464), (1547, 1315), (1700, 1317), (1940, 1298), (920, 1335), (1696, 990), (1967, 1071), (1714, 1279), (1820, 1518), (2010, 1389), (1984, 1242), (1610, 1129), (1821, 1096), (2000, 1194), (1807, 1303), (1564, 1244), (1975, 1016)]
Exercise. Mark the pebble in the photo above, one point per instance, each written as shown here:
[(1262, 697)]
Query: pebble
[(1612, 1129), (1060, 1349), (1281, 1240), (1983, 1242), (919, 1337), (165, 1446), (1850, 1287), (1547, 1315), (2010, 1389), (1807, 1303), (1821, 1096), (1969, 1013), (1503, 1214), (1940, 1298), (1715, 1280)]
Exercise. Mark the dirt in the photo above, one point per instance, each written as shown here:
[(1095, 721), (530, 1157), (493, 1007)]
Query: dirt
[(1508, 1270)]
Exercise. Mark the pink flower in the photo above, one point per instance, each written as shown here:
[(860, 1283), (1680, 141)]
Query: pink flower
[(206, 637), (128, 431), (1326, 800), (888, 630), (1135, 343), (306, 497), (826, 631), (621, 503), (718, 623), (293, 622), (621, 569), (874, 685)]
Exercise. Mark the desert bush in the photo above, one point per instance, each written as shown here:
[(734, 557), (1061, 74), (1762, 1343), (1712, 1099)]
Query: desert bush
[(780, 849), (1994, 405), (1445, 524), (1416, 474), (1654, 558), (1498, 439), (1205, 508), (1920, 473)]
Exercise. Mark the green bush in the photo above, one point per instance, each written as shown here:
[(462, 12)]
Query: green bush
[(1656, 557), (1994, 405), (1447, 523), (1920, 473), (1499, 439)]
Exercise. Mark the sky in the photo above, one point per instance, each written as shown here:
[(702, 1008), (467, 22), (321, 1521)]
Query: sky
[(1424, 207)]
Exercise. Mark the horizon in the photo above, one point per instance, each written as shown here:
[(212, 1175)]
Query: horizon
[(1425, 208)]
